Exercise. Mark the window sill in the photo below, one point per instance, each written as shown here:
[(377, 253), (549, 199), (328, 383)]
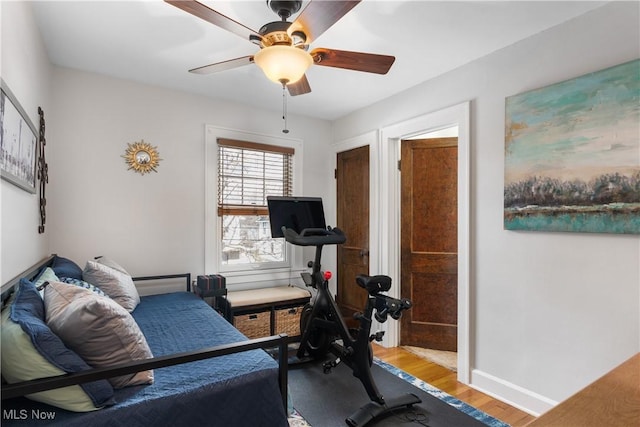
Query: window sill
[(257, 278)]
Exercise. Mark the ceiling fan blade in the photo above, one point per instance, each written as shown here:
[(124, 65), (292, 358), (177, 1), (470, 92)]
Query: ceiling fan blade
[(318, 16), (300, 87), (216, 18), (224, 65), (358, 61)]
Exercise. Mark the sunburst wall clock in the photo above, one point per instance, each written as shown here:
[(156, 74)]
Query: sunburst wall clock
[(142, 157)]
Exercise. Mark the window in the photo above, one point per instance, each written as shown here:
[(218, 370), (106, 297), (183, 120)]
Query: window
[(247, 173)]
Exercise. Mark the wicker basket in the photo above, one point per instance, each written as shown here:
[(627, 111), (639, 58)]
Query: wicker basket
[(288, 321), (254, 325)]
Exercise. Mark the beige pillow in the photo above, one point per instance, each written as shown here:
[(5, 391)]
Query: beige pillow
[(102, 332), (111, 263), (118, 285)]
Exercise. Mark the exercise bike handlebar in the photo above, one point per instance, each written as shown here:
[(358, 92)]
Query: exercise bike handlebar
[(314, 236), (388, 306)]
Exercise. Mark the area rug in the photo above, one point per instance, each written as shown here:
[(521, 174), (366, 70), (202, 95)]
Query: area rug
[(296, 420), (326, 400), (448, 359)]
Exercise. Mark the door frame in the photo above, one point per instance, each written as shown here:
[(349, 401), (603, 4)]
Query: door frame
[(389, 189), (384, 236)]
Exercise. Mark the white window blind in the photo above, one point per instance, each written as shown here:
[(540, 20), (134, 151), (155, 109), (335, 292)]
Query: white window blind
[(247, 173)]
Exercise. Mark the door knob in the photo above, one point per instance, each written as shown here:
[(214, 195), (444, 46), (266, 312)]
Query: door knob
[(364, 252)]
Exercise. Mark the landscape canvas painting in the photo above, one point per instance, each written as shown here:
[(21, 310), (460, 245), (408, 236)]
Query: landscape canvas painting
[(572, 155)]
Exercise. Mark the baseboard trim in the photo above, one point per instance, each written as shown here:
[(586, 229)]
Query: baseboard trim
[(516, 396)]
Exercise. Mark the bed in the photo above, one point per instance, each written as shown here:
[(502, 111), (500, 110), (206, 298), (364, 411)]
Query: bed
[(206, 373)]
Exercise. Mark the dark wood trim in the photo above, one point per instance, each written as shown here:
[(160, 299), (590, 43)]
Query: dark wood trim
[(242, 210), (255, 146)]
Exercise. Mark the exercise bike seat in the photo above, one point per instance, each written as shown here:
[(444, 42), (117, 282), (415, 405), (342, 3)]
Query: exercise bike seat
[(374, 284)]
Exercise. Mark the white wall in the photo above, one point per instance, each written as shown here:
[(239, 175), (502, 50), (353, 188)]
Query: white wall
[(153, 223), (25, 69), (551, 312)]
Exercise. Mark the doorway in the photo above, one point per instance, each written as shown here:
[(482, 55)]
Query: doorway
[(429, 242), (387, 189)]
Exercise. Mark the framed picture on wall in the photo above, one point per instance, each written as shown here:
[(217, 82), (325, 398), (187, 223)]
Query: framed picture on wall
[(18, 142), (572, 154)]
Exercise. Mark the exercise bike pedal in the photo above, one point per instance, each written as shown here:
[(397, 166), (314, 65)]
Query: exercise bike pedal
[(377, 336), (328, 366)]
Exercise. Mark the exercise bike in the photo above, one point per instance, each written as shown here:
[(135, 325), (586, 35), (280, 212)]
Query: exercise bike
[(324, 330)]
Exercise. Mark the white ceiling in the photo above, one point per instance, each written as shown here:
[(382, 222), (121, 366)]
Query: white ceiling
[(156, 43)]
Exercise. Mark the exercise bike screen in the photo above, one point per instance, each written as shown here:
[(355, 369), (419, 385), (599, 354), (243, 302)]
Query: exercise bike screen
[(296, 213)]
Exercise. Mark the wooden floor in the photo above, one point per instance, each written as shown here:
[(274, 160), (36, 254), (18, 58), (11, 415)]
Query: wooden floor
[(446, 381)]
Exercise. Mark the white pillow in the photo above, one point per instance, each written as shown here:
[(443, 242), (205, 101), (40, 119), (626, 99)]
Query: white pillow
[(102, 332), (111, 263), (118, 285)]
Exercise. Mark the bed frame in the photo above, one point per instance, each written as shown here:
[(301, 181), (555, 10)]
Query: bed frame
[(9, 391)]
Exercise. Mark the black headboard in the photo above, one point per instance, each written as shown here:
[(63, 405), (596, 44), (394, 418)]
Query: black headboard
[(30, 273)]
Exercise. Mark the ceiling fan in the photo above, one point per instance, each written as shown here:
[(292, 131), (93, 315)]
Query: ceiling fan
[(284, 45)]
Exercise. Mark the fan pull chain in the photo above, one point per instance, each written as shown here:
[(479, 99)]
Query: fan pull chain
[(284, 107)]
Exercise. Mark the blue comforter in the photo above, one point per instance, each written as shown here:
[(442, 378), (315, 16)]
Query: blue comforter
[(234, 390)]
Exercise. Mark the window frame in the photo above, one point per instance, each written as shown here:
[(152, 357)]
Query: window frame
[(250, 204), (267, 273)]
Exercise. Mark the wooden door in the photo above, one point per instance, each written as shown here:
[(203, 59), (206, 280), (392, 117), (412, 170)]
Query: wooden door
[(429, 242), (352, 175)]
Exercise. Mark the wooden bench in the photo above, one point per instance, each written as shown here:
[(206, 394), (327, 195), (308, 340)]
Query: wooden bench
[(267, 311)]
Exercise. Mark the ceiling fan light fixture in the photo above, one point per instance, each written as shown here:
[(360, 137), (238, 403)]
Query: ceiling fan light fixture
[(283, 64)]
